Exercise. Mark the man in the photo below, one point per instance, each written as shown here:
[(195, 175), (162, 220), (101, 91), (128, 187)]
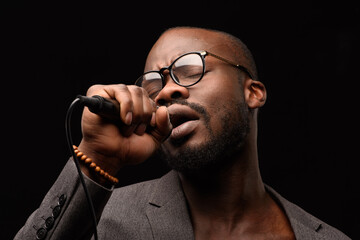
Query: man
[(197, 106)]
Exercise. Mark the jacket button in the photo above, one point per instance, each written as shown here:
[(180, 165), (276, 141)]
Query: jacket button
[(56, 211), (62, 199), (41, 233), (49, 223)]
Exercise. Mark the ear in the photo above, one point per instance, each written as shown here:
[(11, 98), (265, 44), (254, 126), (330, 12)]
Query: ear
[(255, 93)]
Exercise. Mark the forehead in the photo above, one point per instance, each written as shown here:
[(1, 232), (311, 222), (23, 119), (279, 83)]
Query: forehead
[(179, 41)]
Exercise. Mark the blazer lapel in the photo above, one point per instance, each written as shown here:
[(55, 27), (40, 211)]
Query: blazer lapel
[(169, 218), (304, 225), (167, 210)]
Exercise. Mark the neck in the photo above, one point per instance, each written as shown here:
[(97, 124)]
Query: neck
[(227, 194), (231, 202)]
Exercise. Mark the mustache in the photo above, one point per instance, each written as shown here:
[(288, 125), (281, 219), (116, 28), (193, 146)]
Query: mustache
[(194, 106)]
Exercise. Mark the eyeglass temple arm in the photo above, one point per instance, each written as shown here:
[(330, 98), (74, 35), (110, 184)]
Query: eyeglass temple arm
[(231, 63)]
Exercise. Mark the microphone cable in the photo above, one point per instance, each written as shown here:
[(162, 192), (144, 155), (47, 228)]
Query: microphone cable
[(74, 104)]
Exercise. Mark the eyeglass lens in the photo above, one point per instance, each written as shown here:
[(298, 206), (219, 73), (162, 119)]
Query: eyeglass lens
[(185, 71)]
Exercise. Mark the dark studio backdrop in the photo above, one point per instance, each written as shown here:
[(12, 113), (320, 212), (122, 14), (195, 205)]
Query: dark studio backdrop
[(307, 56)]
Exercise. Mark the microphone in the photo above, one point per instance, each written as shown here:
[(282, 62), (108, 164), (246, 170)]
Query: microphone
[(106, 108)]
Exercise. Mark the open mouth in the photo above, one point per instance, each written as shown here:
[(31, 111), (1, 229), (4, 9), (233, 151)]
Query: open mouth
[(179, 119), (183, 120)]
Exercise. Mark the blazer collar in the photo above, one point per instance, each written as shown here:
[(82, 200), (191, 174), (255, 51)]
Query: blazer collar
[(304, 225), (167, 210), (169, 217)]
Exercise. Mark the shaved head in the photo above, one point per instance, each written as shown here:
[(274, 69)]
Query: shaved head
[(240, 51)]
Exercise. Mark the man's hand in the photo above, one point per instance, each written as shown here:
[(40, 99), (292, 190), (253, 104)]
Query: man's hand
[(132, 140)]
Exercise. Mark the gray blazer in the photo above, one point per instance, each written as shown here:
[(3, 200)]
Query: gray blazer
[(154, 209)]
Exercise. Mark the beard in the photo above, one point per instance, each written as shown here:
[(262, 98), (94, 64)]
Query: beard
[(218, 149)]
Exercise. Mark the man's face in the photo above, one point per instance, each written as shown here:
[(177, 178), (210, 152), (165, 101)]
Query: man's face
[(210, 119)]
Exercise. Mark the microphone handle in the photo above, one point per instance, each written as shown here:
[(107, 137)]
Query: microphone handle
[(105, 108)]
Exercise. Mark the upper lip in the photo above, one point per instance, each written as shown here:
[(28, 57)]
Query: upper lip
[(180, 114)]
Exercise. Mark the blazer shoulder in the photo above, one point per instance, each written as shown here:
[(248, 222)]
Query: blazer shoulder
[(307, 222), (330, 232), (305, 225)]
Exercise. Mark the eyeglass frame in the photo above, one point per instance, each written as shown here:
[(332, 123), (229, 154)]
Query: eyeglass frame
[(202, 54)]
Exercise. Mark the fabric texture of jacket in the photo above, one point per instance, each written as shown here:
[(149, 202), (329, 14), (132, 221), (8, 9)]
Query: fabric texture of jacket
[(153, 209)]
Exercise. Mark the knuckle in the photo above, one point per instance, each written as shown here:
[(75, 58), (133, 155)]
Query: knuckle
[(127, 102), (149, 107), (94, 89), (116, 89), (145, 93), (136, 90), (122, 87)]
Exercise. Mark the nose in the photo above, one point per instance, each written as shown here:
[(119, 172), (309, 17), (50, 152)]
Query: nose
[(170, 92)]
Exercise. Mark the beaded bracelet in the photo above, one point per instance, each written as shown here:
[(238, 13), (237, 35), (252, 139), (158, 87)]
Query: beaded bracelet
[(88, 161)]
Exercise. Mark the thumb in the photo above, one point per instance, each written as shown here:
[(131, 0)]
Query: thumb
[(163, 126)]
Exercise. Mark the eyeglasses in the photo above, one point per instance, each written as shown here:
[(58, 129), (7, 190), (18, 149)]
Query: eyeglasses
[(186, 70)]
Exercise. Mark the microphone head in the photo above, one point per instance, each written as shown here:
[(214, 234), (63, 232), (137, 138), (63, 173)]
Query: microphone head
[(101, 106)]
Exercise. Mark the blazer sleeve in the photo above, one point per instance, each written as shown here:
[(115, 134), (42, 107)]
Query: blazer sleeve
[(64, 212)]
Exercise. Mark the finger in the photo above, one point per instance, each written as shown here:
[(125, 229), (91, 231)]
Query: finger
[(138, 108), (149, 107), (95, 89), (163, 126), (139, 122), (122, 94), (153, 107)]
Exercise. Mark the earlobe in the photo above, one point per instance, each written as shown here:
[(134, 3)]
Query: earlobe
[(255, 93)]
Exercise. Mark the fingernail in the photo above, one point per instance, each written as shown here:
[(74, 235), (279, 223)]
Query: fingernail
[(153, 120), (168, 114), (128, 118)]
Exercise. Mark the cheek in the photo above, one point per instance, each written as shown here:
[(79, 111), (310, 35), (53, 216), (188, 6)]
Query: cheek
[(221, 87), (220, 99), (217, 111)]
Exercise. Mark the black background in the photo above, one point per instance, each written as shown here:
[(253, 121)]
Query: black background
[(307, 56)]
